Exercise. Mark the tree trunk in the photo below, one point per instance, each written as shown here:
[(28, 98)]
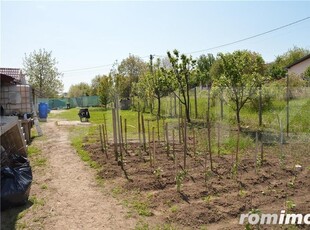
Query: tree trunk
[(188, 116), (238, 115), (187, 112), (158, 109), (260, 108)]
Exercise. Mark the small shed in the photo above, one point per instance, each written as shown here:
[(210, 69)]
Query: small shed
[(16, 96), (16, 100)]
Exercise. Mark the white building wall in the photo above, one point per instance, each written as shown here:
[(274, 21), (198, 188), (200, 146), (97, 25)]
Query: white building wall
[(300, 67)]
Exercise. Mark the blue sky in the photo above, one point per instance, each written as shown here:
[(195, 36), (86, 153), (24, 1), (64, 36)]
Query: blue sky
[(89, 34)]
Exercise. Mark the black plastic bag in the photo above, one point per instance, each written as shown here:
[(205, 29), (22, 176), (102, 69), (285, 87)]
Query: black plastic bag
[(15, 182)]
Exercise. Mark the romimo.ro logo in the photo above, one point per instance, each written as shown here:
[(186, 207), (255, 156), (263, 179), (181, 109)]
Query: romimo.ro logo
[(282, 218)]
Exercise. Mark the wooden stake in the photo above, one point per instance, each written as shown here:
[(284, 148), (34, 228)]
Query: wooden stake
[(143, 133), (238, 140), (158, 137), (185, 143), (114, 134), (164, 129), (100, 132), (122, 134), (175, 105), (194, 142), (256, 145), (105, 125), (119, 131), (126, 143), (167, 139), (139, 128), (149, 134), (173, 146), (154, 146), (195, 103), (179, 125), (218, 138), (104, 141)]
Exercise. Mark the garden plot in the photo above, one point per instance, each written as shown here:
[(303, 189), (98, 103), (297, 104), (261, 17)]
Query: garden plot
[(194, 197)]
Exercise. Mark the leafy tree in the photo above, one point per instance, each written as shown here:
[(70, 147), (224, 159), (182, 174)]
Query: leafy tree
[(154, 84), (79, 90), (132, 67), (182, 72), (40, 67), (204, 64), (128, 72), (95, 83), (122, 85), (241, 72), (105, 89), (161, 84), (277, 69)]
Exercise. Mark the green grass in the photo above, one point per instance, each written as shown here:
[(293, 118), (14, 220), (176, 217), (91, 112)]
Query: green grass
[(98, 114), (299, 114), (174, 209), (43, 186), (36, 159), (77, 141), (39, 162), (33, 150), (36, 201)]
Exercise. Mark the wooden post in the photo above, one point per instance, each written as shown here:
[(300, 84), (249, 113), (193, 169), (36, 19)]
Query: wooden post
[(158, 137), (194, 142), (170, 97), (119, 131), (179, 125), (167, 139), (185, 143), (256, 151), (238, 140), (139, 128), (195, 103), (122, 134), (182, 124), (222, 107), (154, 146), (100, 132), (143, 133), (149, 134), (104, 140), (126, 141), (173, 146), (105, 126), (175, 105), (287, 105), (218, 138), (260, 107), (164, 129), (114, 135)]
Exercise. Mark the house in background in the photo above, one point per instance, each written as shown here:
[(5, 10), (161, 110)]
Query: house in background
[(299, 66)]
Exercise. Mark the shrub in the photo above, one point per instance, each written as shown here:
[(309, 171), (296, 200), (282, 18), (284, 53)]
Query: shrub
[(267, 98)]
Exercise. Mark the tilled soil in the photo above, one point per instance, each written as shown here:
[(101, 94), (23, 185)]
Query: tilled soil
[(213, 199)]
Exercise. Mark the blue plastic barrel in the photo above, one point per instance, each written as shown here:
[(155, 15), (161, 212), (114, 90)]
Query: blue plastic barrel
[(43, 109)]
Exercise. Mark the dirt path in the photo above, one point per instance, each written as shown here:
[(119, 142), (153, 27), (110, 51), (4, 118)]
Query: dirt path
[(72, 198)]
